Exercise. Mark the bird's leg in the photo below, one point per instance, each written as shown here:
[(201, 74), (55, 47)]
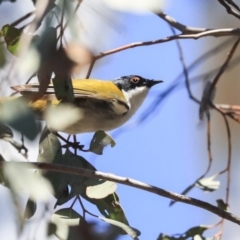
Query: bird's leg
[(74, 145)]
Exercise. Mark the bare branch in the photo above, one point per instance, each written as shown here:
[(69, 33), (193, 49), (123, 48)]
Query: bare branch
[(229, 9), (223, 67), (133, 183), (22, 18), (185, 71), (230, 2), (183, 28), (212, 33)]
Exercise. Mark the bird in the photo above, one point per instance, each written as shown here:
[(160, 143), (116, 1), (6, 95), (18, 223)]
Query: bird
[(103, 105)]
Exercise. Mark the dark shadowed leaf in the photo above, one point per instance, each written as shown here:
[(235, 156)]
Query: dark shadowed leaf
[(46, 47), (50, 151), (221, 204), (51, 229), (5, 132), (110, 208), (49, 148), (2, 56), (134, 233), (204, 105), (100, 140), (78, 183), (30, 208), (165, 237), (19, 116), (63, 88), (208, 184), (194, 231)]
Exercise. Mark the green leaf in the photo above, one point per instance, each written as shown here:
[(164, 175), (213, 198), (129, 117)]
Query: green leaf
[(222, 205), (64, 218), (165, 237), (100, 140), (2, 56), (208, 184), (195, 231), (206, 99), (11, 36), (50, 151), (109, 207), (30, 208), (51, 229), (134, 233), (63, 88), (5, 132), (21, 178), (49, 148), (198, 237), (19, 116), (101, 190)]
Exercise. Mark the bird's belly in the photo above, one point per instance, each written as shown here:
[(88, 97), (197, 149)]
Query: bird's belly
[(94, 121)]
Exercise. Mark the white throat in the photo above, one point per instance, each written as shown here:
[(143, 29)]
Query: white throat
[(135, 98)]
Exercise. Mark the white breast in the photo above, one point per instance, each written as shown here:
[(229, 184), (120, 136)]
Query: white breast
[(135, 99)]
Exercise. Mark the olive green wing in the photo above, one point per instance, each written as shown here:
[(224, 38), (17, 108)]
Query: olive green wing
[(86, 88)]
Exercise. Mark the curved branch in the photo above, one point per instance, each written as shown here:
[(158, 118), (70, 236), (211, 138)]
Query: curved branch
[(133, 183), (212, 33)]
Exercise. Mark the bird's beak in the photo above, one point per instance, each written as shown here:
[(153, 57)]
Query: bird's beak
[(151, 83)]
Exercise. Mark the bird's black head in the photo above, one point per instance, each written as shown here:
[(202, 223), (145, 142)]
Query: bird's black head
[(133, 81)]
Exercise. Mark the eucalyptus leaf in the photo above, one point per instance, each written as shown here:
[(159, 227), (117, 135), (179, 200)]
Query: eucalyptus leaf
[(195, 231), (101, 190), (100, 140), (204, 105), (51, 229), (19, 116), (134, 233), (22, 179), (49, 148), (2, 56), (222, 205), (198, 237), (63, 88), (63, 219), (11, 36), (5, 132), (109, 207), (50, 151), (30, 208), (208, 184)]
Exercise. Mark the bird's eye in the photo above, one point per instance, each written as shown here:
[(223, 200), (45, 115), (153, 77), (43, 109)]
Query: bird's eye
[(135, 79)]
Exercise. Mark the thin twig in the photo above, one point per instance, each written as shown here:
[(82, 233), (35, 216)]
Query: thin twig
[(233, 4), (181, 27), (213, 33), (90, 68), (84, 209), (228, 167), (185, 70), (209, 142), (223, 67), (22, 18), (229, 9)]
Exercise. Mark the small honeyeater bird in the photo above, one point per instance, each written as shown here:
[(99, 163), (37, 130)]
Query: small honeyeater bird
[(102, 105)]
